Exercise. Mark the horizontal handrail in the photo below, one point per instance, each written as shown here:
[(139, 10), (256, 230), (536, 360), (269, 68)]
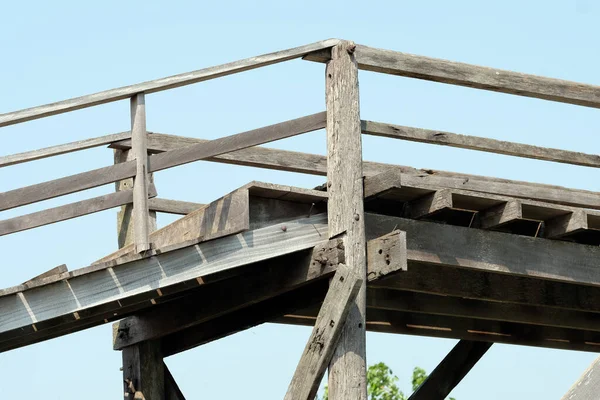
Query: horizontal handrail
[(69, 211), (480, 144), (161, 84), (102, 176), (46, 152), (173, 206), (474, 76)]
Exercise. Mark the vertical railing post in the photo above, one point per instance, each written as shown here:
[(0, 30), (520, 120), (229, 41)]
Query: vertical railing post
[(347, 370), (140, 181)]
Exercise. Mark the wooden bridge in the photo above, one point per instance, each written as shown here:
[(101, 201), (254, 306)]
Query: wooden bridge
[(378, 247)]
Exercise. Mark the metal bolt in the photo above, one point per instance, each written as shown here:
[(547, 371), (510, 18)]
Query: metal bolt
[(284, 228)]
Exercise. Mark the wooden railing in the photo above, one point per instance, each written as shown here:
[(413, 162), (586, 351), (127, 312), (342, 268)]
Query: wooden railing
[(168, 151)]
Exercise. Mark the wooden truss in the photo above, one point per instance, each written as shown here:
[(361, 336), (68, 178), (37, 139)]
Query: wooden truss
[(379, 247)]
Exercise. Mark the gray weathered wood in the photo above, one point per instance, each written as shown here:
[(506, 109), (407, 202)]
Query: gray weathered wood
[(386, 254), (141, 229), (501, 214), (480, 143), (143, 372), (565, 224), (451, 370), (68, 211), (102, 176), (343, 289), (62, 149), (173, 206), (587, 386), (347, 371), (51, 272), (429, 204), (109, 286), (274, 277), (161, 84), (456, 73), (317, 165)]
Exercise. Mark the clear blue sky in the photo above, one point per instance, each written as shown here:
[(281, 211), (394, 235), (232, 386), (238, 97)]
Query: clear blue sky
[(56, 50)]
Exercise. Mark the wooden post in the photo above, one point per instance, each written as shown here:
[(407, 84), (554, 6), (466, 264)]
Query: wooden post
[(124, 225), (347, 370), (318, 351), (143, 371), (141, 230)]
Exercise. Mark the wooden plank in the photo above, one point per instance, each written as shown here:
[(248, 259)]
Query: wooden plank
[(143, 372), (68, 211), (480, 144), (78, 145), (141, 229), (172, 391), (456, 73), (565, 224), (474, 249), (161, 84), (111, 285), (237, 142), (324, 337), (102, 176), (398, 300), (67, 185), (429, 204), (451, 370), (501, 214), (51, 272), (254, 285), (345, 210), (317, 165), (173, 206), (587, 386), (495, 287), (386, 254)]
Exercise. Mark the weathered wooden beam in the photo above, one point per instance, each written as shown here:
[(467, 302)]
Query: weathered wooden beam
[(398, 300), (254, 285), (317, 354), (111, 286), (143, 372), (128, 169), (345, 210), (501, 214), (141, 229), (565, 224), (46, 152), (429, 204), (317, 165), (451, 370), (173, 206), (480, 143), (51, 272), (456, 73), (161, 84), (68, 211), (587, 386), (495, 287)]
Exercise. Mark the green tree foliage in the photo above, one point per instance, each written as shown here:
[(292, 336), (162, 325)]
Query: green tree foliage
[(381, 383)]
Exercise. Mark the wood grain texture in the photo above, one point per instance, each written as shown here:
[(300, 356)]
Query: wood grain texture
[(267, 280), (141, 228), (51, 272), (451, 370), (429, 204), (110, 287), (501, 214), (456, 73), (27, 156), (143, 372), (587, 386), (161, 84), (565, 224), (173, 206), (317, 165), (480, 144), (68, 211), (343, 289), (345, 210)]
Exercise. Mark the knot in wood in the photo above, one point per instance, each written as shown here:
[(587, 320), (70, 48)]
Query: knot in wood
[(351, 48)]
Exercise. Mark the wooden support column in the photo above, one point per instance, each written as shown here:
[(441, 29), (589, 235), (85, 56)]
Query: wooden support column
[(347, 370), (144, 371), (141, 230), (453, 368), (325, 334)]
